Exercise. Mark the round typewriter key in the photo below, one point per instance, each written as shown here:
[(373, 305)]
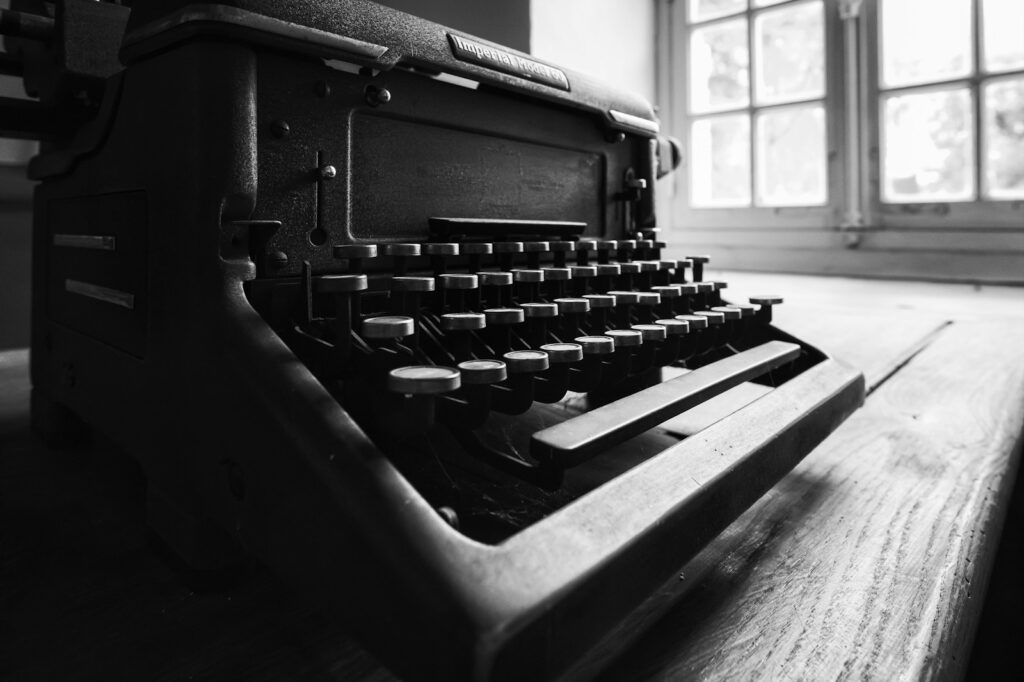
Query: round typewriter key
[(423, 379), (508, 247), (627, 297), (746, 310), (728, 312), (667, 291), (460, 321), (539, 309), (495, 279), (563, 246), (483, 371), (528, 275), (683, 264), (477, 248), (629, 268), (627, 244), (572, 305), (388, 327), (651, 232), (339, 284), (586, 245), (674, 327), (695, 321), (713, 318), (689, 289), (644, 244), (666, 264), (536, 247), (608, 269), (766, 299), (561, 353), (356, 251), (412, 283), (607, 245), (596, 345), (401, 249), (441, 249), (557, 274), (720, 285), (647, 298), (648, 265), (504, 316), (625, 338), (698, 259), (458, 281), (600, 300), (705, 287), (582, 271), (519, 361), (651, 332)]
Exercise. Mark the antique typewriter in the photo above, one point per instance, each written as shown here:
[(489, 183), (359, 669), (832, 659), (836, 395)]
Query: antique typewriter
[(384, 305)]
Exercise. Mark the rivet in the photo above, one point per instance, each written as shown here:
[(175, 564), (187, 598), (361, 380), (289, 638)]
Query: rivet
[(278, 259), (376, 96), (327, 171), (280, 128)]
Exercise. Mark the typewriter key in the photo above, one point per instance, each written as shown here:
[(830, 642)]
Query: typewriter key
[(482, 371), (418, 284), (462, 321), (696, 322), (423, 380), (651, 332), (388, 327), (674, 327), (526, 361), (504, 316), (596, 345), (561, 353), (728, 312), (451, 281), (625, 338)]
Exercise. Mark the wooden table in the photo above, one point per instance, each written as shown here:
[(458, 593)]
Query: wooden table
[(870, 560)]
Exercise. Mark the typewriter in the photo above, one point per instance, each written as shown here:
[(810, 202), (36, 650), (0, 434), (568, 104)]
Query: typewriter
[(384, 305)]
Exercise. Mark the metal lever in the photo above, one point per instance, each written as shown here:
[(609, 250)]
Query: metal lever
[(578, 439)]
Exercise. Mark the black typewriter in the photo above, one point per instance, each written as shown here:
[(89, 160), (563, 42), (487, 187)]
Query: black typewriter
[(384, 306)]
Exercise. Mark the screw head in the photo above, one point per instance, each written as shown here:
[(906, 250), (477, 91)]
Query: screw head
[(277, 259), (280, 128), (376, 96), (327, 171)]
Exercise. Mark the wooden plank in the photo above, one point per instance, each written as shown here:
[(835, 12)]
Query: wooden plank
[(870, 560), (934, 266), (957, 241)]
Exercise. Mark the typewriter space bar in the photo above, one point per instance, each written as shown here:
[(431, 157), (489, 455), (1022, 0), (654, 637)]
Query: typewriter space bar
[(580, 438)]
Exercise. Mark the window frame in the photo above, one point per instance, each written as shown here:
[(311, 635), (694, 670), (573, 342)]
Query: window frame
[(678, 95), (979, 213)]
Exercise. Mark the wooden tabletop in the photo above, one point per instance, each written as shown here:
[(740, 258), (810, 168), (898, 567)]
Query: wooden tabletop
[(869, 560)]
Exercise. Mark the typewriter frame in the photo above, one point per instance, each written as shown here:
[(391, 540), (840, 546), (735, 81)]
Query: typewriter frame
[(295, 481)]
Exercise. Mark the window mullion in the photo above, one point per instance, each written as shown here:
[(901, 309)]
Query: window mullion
[(976, 89), (752, 76)]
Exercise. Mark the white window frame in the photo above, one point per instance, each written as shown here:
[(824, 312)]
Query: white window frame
[(675, 91), (979, 213)]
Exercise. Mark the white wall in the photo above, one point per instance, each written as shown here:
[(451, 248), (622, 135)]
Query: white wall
[(610, 39)]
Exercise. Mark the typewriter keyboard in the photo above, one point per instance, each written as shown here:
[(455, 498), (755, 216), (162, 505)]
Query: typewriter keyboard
[(507, 377)]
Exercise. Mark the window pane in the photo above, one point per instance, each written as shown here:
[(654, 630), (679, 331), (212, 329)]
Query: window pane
[(1004, 139), (720, 161), (928, 146), (789, 57), (925, 41), (719, 71), (709, 9), (791, 156), (765, 3), (1003, 41)]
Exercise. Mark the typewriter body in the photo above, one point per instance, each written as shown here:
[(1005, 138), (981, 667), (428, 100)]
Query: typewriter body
[(384, 305)]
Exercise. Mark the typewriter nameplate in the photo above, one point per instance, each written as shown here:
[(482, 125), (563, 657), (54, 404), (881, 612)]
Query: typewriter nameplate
[(500, 60)]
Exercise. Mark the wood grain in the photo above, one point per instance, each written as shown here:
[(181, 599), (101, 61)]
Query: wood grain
[(869, 560)]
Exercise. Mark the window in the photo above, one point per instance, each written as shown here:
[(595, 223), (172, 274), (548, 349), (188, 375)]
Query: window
[(950, 102), (840, 113), (755, 101)]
